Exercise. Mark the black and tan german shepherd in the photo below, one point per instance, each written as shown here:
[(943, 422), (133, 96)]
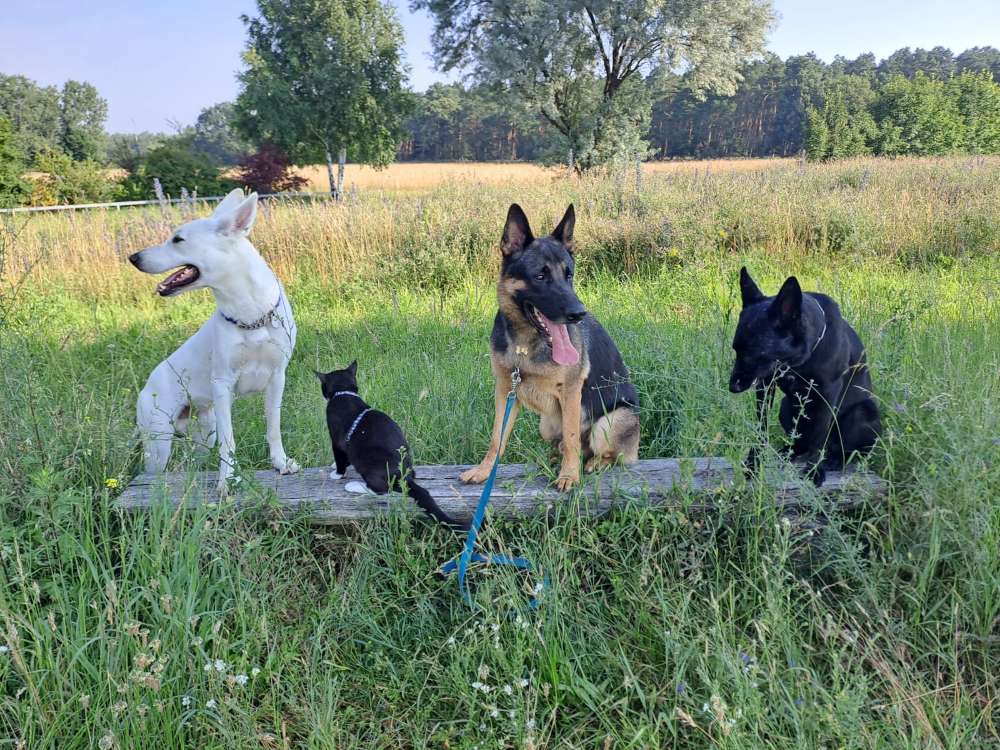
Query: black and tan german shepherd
[(572, 374)]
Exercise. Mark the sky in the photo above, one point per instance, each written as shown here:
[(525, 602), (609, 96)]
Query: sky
[(160, 63)]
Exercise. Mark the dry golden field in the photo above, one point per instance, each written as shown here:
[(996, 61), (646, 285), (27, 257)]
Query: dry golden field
[(404, 176)]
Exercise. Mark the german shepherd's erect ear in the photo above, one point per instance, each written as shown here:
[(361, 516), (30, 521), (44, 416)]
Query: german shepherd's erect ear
[(516, 232), (786, 309), (564, 232), (749, 291)]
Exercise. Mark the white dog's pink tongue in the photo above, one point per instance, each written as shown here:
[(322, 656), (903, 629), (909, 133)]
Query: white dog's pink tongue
[(563, 351)]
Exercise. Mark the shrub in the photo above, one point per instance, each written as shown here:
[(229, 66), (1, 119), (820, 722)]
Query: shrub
[(177, 169), (269, 171), (13, 188), (65, 181)]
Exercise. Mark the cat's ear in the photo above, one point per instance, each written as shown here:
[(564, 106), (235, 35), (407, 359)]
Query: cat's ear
[(353, 368)]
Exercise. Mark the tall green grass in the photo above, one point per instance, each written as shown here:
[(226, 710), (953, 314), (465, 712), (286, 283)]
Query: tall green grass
[(658, 629)]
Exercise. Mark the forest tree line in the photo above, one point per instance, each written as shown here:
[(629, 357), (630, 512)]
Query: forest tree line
[(769, 114)]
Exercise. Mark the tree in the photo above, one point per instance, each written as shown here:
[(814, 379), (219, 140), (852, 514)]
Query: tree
[(918, 117), (324, 76), (34, 113), (82, 113), (129, 150), (977, 98), (215, 136), (13, 187), (590, 67), (268, 171), (817, 146)]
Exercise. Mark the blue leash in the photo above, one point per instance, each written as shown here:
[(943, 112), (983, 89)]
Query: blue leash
[(468, 552)]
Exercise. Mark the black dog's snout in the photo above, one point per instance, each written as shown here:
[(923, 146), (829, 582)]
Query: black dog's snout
[(576, 316), (135, 260)]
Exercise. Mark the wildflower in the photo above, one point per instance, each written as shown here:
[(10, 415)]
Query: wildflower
[(210, 703), (241, 679), (207, 667), (494, 713), (255, 671), (799, 702), (85, 701), (186, 701), (4, 649), (523, 682), (508, 690), (119, 708), (451, 641), (680, 688), (538, 588), (899, 408), (529, 725), (106, 742), (745, 658), (220, 666), (111, 483)]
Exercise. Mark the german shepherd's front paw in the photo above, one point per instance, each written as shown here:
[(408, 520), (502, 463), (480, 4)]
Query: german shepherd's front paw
[(475, 475), (567, 482)]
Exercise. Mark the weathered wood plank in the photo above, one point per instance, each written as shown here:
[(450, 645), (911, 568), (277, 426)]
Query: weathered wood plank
[(520, 490)]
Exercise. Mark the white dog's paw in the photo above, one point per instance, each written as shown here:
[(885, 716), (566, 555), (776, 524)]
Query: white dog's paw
[(286, 466), (358, 488), (334, 475)]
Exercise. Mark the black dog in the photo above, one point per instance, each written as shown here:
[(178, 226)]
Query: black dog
[(799, 342), (371, 442)]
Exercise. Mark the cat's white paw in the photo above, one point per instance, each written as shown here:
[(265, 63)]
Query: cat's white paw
[(357, 488), (334, 475)]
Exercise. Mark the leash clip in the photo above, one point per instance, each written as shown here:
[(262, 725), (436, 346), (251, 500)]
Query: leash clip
[(515, 380)]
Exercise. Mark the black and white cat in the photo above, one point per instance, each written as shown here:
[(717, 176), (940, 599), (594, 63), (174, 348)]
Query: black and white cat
[(371, 442)]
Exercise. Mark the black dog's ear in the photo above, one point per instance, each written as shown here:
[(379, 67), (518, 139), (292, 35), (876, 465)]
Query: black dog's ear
[(516, 232), (787, 306), (353, 368), (320, 375), (749, 290), (564, 232)]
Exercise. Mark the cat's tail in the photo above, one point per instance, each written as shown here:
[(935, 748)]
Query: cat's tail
[(423, 498)]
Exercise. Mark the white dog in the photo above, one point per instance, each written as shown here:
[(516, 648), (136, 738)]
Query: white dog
[(243, 348)]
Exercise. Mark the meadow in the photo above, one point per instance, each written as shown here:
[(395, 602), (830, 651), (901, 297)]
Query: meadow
[(223, 627)]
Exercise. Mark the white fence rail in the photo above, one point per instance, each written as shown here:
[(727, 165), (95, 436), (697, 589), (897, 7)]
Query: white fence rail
[(166, 201)]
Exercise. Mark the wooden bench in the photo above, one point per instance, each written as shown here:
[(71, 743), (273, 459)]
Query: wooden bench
[(692, 483)]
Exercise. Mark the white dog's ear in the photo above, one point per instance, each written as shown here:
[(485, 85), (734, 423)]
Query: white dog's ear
[(240, 220), (229, 203)]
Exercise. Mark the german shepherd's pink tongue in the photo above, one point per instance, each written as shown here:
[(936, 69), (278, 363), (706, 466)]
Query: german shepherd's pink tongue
[(563, 351)]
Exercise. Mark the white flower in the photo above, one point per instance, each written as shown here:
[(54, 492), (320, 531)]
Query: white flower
[(494, 714), (255, 671), (4, 649), (210, 703), (496, 627), (538, 587), (208, 666), (508, 689), (242, 679), (529, 724), (522, 683), (220, 666), (451, 641), (186, 701)]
